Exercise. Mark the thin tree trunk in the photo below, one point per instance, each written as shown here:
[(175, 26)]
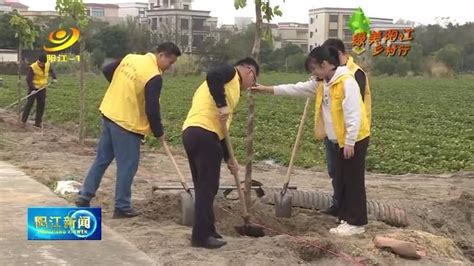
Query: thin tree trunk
[(18, 90), (251, 106), (258, 29), (82, 128)]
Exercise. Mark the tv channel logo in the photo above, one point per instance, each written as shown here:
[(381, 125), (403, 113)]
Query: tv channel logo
[(64, 223), (62, 39)]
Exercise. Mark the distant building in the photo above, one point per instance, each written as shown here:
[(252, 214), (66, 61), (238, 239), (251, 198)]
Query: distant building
[(329, 22), (16, 5), (4, 8), (136, 10), (229, 27), (290, 33), (224, 32), (7, 55), (34, 15), (382, 24), (242, 22), (104, 12), (176, 21), (171, 4)]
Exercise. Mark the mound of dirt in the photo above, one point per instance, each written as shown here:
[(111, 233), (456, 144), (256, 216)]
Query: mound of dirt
[(462, 209), (436, 247), (454, 218), (306, 224), (161, 207), (306, 232), (314, 248), (166, 206)]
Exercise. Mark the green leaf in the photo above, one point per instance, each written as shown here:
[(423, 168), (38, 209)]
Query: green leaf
[(238, 4), (24, 28), (267, 35), (277, 11), (74, 9)]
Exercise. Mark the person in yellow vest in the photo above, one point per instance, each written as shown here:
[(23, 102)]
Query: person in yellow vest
[(341, 117), (363, 82), (359, 73), (130, 110), (308, 89), (212, 107), (37, 80)]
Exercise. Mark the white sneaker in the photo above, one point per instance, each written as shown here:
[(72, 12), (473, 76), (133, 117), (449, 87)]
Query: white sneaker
[(345, 229), (341, 225)]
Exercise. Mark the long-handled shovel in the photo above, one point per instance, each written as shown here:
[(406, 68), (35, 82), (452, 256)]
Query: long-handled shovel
[(187, 202), (283, 200), (247, 229), (27, 96)]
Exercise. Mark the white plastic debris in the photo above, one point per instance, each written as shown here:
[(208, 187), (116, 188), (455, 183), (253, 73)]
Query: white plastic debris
[(66, 187), (271, 162)]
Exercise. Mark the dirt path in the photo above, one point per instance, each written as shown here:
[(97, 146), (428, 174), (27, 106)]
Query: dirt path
[(440, 208)]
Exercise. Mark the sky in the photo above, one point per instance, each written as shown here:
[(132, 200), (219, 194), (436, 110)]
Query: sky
[(297, 10)]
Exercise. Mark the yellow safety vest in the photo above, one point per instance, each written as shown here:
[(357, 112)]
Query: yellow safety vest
[(124, 101), (336, 93), (204, 112), (40, 77), (353, 67)]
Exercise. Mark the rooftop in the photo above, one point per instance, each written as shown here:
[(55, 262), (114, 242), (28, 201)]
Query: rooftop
[(332, 9), (15, 5), (101, 5), (179, 11)]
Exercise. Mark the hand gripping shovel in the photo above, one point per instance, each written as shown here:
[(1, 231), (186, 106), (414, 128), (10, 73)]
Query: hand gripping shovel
[(187, 202), (282, 199), (247, 229)]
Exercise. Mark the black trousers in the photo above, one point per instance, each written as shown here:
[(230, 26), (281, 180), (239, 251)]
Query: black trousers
[(350, 175), (205, 153), (40, 98)]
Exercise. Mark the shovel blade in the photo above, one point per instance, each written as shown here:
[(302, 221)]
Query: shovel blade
[(187, 209), (283, 205)]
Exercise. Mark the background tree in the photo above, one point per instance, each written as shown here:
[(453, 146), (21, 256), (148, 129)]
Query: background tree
[(263, 10), (113, 40), (26, 34), (98, 57), (7, 34), (451, 55), (76, 10), (415, 59), (138, 35)]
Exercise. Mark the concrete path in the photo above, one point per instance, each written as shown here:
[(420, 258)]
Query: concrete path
[(19, 191)]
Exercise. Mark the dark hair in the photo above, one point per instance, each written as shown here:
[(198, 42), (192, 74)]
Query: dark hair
[(307, 62), (248, 61), (325, 53), (168, 48), (42, 58), (336, 43)]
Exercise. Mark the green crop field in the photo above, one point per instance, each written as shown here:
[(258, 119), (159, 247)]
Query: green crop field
[(420, 125)]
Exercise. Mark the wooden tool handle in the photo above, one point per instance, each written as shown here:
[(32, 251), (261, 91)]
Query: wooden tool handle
[(297, 141), (26, 97), (236, 176), (170, 155)]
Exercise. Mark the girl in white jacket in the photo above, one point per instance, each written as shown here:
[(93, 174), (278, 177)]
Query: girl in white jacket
[(341, 117)]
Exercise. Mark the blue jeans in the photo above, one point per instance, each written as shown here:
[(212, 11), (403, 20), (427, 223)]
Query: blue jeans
[(332, 150), (124, 146)]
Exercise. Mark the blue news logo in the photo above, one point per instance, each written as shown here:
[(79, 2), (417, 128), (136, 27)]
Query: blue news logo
[(64, 223)]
